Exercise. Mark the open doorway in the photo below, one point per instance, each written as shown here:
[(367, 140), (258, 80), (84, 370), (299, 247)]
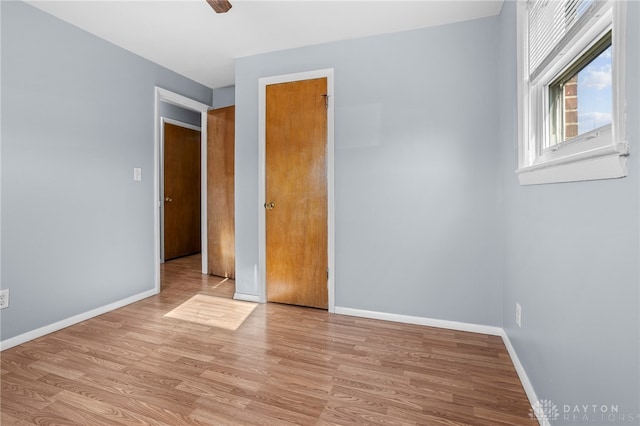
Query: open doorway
[(163, 99)]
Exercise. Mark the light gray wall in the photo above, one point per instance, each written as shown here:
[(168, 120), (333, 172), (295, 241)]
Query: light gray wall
[(224, 96), (77, 117), (571, 260), (417, 175)]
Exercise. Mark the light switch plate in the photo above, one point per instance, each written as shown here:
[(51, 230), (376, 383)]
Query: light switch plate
[(4, 298), (137, 173)]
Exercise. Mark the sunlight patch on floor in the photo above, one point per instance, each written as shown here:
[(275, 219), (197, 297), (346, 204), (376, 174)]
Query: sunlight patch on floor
[(213, 311)]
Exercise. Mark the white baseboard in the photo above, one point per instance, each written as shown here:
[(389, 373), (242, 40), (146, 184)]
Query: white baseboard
[(431, 322), (522, 374), (246, 297), (42, 331)]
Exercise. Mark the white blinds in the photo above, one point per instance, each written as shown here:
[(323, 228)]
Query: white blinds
[(552, 25)]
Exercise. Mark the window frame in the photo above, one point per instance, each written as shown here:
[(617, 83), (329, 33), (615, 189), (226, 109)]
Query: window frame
[(597, 154)]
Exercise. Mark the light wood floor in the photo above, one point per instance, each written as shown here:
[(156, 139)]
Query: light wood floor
[(283, 365)]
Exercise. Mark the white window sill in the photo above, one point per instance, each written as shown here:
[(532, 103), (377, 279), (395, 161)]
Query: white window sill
[(607, 162)]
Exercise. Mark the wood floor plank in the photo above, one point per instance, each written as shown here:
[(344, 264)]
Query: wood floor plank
[(104, 412), (31, 394), (209, 391), (350, 414), (282, 365), (8, 420)]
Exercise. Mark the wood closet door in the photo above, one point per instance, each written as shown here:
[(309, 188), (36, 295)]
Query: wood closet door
[(182, 191), (220, 192), (296, 193)]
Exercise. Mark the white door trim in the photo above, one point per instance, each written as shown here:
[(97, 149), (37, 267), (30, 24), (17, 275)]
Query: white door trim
[(180, 124), (167, 120), (262, 239), (164, 95)]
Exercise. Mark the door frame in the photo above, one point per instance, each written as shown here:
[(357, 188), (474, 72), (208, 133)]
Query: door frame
[(167, 96), (163, 121), (262, 235)]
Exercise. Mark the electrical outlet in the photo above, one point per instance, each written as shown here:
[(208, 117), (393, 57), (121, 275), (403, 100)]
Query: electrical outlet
[(518, 315), (4, 298)]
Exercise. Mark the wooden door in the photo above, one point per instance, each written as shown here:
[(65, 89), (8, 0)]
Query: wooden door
[(181, 191), (220, 192), (296, 193)]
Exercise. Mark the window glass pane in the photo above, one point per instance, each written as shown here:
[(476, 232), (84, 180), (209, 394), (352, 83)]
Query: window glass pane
[(594, 93), (580, 100)]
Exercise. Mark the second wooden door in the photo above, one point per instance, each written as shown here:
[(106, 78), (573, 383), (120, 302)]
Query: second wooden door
[(296, 193), (220, 192), (182, 191)]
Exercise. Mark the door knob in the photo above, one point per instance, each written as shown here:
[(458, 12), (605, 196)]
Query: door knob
[(167, 200), (269, 206)]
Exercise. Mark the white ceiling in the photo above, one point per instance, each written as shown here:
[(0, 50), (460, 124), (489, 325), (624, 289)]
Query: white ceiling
[(189, 38)]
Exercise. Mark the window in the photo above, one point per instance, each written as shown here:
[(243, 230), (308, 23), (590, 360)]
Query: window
[(571, 94)]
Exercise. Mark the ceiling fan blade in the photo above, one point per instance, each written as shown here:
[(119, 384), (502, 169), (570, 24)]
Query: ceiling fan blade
[(220, 6)]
